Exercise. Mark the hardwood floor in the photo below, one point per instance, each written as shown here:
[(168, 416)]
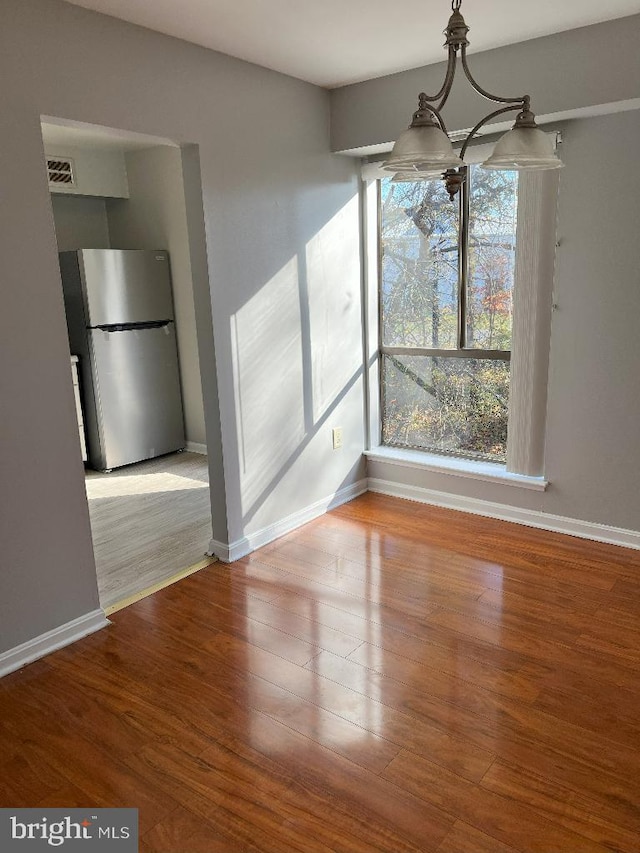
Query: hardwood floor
[(390, 677)]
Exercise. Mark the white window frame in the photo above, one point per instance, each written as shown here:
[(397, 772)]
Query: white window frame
[(531, 333)]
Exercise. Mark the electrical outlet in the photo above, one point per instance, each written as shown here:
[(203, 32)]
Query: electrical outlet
[(337, 437)]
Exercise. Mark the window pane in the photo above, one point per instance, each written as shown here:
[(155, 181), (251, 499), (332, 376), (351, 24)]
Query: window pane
[(419, 243), (446, 405), (492, 243)]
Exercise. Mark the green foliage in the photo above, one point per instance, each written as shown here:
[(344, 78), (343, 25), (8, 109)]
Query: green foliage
[(450, 405), (447, 405)]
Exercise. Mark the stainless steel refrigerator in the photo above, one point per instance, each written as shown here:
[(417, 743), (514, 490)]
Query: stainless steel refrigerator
[(121, 326)]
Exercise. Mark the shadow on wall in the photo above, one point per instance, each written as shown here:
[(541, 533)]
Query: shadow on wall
[(297, 357)]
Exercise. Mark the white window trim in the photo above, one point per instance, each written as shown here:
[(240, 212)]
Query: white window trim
[(535, 257), (472, 469)]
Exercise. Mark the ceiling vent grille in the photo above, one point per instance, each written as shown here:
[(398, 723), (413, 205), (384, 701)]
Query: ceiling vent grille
[(60, 171)]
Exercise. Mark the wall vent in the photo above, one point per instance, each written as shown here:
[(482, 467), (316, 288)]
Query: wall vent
[(60, 171)]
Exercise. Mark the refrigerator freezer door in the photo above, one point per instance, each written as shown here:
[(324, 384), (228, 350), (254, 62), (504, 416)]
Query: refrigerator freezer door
[(125, 286), (137, 391)]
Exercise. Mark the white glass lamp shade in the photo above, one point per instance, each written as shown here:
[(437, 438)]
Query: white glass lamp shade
[(409, 175), (523, 148), (425, 148)]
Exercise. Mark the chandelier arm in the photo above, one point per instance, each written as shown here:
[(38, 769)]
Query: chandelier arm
[(439, 119), (483, 121), (523, 100), (448, 80)]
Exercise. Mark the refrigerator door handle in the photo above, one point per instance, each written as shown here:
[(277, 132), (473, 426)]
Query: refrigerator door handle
[(131, 327)]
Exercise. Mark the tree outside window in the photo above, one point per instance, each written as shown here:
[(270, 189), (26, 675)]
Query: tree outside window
[(446, 288)]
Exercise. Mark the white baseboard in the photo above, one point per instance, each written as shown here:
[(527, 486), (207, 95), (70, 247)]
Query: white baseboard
[(241, 547), (528, 517), (222, 551), (43, 645), (194, 447)]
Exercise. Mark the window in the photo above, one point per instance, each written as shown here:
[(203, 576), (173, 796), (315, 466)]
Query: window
[(450, 343), (445, 302)]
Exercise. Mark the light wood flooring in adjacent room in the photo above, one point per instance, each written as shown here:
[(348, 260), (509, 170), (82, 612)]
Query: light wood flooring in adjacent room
[(149, 521), (390, 677)]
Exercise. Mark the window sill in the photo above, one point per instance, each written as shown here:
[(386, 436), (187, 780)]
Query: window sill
[(490, 472)]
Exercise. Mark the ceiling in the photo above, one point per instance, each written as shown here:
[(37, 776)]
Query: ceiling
[(334, 42)]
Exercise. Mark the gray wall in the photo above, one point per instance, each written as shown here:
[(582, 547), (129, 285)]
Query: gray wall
[(154, 217), (281, 227), (593, 452), (81, 223), (593, 408), (566, 74)]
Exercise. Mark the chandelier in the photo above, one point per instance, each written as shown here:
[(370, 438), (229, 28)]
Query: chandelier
[(424, 151)]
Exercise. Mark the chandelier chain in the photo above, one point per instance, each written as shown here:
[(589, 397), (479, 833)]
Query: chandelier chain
[(455, 5)]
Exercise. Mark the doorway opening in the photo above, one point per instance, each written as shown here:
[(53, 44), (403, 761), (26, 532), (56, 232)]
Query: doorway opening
[(119, 210)]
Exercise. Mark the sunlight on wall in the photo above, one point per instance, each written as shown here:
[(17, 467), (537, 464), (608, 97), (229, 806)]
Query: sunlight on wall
[(268, 375), (333, 283)]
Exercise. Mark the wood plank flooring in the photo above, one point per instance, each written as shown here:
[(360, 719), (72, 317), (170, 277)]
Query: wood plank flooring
[(149, 521), (390, 677)]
